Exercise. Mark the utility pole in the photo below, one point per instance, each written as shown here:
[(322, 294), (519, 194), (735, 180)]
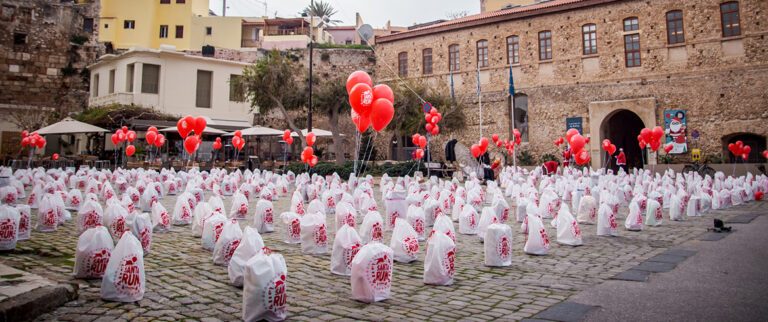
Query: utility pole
[(224, 8), (311, 36)]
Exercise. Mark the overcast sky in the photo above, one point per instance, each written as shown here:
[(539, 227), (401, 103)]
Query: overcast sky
[(375, 12)]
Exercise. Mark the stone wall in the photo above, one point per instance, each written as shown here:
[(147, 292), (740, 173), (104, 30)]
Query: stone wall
[(720, 81)]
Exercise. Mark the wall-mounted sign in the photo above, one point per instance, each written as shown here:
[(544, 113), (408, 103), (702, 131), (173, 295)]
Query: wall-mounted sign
[(574, 123), (675, 129)]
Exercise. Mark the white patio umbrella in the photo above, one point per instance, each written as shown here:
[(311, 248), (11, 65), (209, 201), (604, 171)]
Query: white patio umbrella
[(318, 133), (208, 130), (258, 131), (70, 126)]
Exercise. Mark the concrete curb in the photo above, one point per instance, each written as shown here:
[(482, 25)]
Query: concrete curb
[(28, 306)]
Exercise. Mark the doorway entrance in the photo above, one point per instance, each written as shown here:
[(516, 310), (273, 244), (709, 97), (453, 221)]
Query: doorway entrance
[(622, 128)]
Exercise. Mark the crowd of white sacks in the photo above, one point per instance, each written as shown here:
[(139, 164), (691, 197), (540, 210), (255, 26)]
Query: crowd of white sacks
[(411, 205)]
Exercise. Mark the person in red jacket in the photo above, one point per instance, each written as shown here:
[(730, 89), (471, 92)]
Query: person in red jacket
[(621, 160)]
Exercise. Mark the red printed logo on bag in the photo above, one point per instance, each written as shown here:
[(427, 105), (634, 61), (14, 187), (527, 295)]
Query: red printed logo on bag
[(350, 252), (331, 202), (24, 223), (504, 248), (472, 221), (246, 194), (321, 237), (275, 295), (576, 230), (377, 232), (128, 280), (411, 246), (164, 220), (379, 272), (612, 222), (32, 198), (191, 203), (659, 215), (505, 214), (300, 208), (544, 238), (392, 218), (92, 219), (217, 230), (418, 226), (7, 231), (50, 219), (118, 226), (185, 213), (593, 214), (135, 197), (447, 262), (229, 250), (152, 200), (146, 238), (243, 210), (294, 229), (268, 216), (350, 220), (97, 262)]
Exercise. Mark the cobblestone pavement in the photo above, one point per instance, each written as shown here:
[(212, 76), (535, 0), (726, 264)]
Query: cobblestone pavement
[(183, 282)]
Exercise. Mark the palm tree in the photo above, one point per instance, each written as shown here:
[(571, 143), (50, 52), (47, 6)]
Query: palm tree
[(321, 9)]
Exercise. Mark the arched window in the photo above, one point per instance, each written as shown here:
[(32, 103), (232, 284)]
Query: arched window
[(675, 27), (482, 53)]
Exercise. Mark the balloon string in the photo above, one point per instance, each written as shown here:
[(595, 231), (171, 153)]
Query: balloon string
[(365, 151), (370, 153)]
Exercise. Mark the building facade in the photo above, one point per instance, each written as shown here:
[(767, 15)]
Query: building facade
[(611, 67), (171, 82), (493, 5)]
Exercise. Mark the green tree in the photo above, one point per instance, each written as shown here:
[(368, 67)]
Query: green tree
[(321, 9), (275, 82), (331, 99)]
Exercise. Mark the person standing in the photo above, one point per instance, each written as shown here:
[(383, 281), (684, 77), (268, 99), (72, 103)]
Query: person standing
[(621, 160)]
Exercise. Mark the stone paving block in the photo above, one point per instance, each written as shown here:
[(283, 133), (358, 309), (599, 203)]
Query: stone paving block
[(663, 258), (655, 267), (743, 218), (710, 236), (566, 311), (680, 252), (633, 275)]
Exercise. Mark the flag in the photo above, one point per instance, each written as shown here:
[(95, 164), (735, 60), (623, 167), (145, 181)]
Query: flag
[(453, 95), (511, 82)]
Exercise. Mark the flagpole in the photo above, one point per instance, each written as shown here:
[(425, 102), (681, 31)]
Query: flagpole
[(512, 103), (479, 100)]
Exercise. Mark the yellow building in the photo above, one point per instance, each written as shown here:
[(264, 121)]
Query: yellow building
[(493, 5), (151, 23)]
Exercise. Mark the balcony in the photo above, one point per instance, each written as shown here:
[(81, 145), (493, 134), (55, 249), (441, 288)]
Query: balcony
[(111, 99)]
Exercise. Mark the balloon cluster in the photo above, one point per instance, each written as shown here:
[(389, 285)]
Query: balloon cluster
[(123, 134), (34, 140), (421, 141), (187, 125), (480, 148), (432, 118), (154, 138), (287, 137), (237, 141), (308, 155), (371, 105), (559, 141), (217, 144), (651, 137), (739, 149), (765, 154), (577, 142), (609, 147)]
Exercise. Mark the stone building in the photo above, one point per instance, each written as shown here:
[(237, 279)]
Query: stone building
[(611, 66), (45, 46)]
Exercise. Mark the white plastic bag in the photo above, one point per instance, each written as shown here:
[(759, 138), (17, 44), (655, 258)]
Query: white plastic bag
[(397, 207), (606, 221), (124, 279), (9, 226), (587, 213), (537, 241), (694, 207), (115, 219), (239, 207), (94, 248), (203, 211), (264, 287), (346, 244), (161, 222), (212, 227), (415, 218), (372, 273), (498, 245), (634, 221), (653, 214), (444, 225), (149, 198), (676, 208), (487, 217), (25, 222), (292, 223), (141, 226), (182, 213), (250, 244), (405, 242), (297, 203), (439, 260), (468, 221), (314, 234), (372, 228), (264, 218), (568, 231), (90, 215), (227, 242)]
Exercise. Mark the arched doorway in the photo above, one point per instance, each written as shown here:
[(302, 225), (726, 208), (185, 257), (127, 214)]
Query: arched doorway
[(622, 128), (756, 142)]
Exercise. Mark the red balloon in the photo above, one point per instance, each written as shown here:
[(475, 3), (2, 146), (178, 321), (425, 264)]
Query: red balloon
[(606, 144), (151, 137), (311, 138), (657, 133), (765, 154), (581, 157), (241, 145), (131, 136), (55, 156), (160, 140), (24, 134), (358, 77), (475, 149), (307, 153), (419, 153), (383, 91), (382, 112), (361, 99), (433, 111), (484, 143), (216, 145), (289, 141), (759, 195), (239, 133), (499, 143), (303, 158), (745, 156), (732, 148), (313, 161), (495, 138), (120, 136), (235, 141), (570, 133), (435, 130), (361, 123), (130, 150), (422, 141), (113, 138), (286, 134), (612, 149), (646, 135), (190, 144), (668, 148), (25, 141), (739, 144), (577, 142), (415, 138), (125, 129), (641, 144), (746, 149), (200, 124), (429, 127), (40, 142), (152, 129), (655, 145)]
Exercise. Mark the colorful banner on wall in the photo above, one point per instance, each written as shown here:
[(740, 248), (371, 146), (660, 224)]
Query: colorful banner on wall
[(675, 129)]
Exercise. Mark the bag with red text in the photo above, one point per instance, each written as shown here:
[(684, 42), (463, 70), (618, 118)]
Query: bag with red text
[(264, 218), (676, 208), (149, 198), (371, 273), (115, 219), (74, 199), (297, 203), (329, 200), (468, 220), (345, 214), (487, 217), (141, 226), (9, 227), (498, 245), (250, 244), (202, 212), (653, 213), (264, 287), (415, 217), (444, 225), (587, 213), (568, 231), (606, 221), (228, 241), (124, 279), (405, 242), (212, 227), (292, 223), (25, 222), (537, 240), (439, 260), (372, 228), (94, 248), (634, 221), (90, 215), (216, 204), (314, 234), (239, 208), (182, 213), (431, 211), (396, 207), (161, 221), (521, 209), (8, 195), (345, 246), (501, 207)]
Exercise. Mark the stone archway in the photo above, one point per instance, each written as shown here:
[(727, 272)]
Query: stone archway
[(622, 127), (643, 108)]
